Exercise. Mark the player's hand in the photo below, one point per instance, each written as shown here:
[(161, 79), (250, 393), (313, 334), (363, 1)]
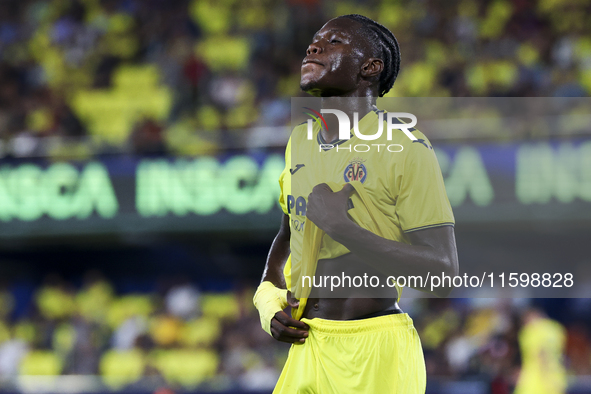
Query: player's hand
[(328, 209), (286, 329), (281, 328)]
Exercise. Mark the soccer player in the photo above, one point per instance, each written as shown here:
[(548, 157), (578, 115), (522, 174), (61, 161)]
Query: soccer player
[(542, 343), (355, 345)]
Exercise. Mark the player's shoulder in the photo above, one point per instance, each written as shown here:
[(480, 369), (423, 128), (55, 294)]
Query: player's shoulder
[(300, 130), (297, 138), (301, 135), (421, 143)]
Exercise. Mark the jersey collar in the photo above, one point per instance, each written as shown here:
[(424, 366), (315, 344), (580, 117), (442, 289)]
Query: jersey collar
[(365, 121)]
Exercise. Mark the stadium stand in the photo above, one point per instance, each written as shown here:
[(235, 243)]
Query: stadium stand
[(191, 339), (182, 77)]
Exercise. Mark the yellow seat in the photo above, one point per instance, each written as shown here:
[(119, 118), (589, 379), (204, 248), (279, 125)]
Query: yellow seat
[(121, 368), (224, 52), (220, 305), (93, 302), (64, 338), (204, 331), (54, 303), (188, 368), (165, 330), (128, 306), (136, 94), (39, 362)]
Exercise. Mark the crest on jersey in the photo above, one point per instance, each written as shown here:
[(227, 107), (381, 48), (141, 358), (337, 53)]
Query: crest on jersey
[(355, 171)]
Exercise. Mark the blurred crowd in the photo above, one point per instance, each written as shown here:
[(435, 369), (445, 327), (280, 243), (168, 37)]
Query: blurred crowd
[(189, 77), (174, 335), (177, 336)]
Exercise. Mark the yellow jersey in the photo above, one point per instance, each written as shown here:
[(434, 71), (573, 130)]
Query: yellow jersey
[(401, 176)]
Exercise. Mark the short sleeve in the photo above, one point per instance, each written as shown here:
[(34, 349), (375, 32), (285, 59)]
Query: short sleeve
[(422, 200), (284, 179)]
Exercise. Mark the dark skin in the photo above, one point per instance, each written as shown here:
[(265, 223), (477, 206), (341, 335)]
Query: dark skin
[(340, 63)]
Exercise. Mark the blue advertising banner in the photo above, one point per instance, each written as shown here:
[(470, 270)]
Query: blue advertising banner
[(486, 183)]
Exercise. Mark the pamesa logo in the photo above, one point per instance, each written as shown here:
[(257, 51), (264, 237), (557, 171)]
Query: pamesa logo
[(392, 123)]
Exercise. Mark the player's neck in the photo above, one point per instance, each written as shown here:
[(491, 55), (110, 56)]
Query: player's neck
[(350, 106)]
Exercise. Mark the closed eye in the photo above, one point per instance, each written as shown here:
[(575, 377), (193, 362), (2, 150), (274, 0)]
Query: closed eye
[(334, 41)]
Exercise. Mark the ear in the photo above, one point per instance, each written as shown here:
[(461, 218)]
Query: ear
[(372, 67)]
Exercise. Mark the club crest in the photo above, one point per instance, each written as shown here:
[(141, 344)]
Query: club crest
[(355, 171)]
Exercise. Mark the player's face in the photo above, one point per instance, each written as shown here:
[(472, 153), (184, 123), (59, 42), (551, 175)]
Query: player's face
[(333, 60)]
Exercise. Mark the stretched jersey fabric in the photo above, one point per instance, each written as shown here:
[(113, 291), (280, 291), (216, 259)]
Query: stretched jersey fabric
[(401, 177), (362, 210)]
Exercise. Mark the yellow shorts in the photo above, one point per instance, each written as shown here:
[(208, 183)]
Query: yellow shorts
[(377, 355)]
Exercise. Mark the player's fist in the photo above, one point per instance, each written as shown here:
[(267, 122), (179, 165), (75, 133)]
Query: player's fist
[(286, 329), (327, 209)]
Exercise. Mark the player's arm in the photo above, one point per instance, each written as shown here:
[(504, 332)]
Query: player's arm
[(278, 254), (431, 250), (281, 323)]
